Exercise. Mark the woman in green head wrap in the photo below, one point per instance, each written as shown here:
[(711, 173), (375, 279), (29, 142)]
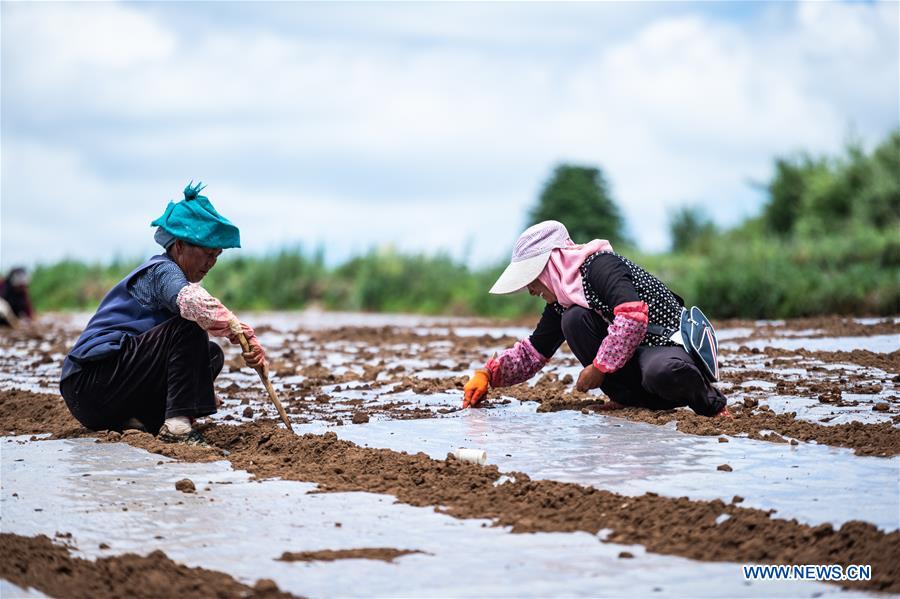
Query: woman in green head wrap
[(145, 358)]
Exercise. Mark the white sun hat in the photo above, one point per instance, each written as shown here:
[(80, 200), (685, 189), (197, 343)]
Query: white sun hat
[(530, 255)]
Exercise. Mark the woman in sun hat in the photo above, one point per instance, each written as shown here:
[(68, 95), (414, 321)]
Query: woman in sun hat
[(601, 304), (145, 359)]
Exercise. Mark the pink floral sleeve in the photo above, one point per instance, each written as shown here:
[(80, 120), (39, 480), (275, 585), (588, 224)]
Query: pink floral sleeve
[(515, 365), (625, 333), (197, 304)]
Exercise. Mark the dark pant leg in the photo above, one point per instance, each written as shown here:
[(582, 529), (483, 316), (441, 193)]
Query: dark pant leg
[(167, 371), (670, 374), (89, 397), (657, 378), (584, 331), (216, 359)]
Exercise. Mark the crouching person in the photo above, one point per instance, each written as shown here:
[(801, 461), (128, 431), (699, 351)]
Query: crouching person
[(145, 359), (601, 304)]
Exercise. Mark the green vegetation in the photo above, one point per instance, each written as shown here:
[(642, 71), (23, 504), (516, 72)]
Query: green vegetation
[(379, 281), (692, 230), (827, 242), (579, 197)]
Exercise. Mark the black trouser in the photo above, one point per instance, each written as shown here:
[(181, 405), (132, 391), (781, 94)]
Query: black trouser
[(167, 371), (658, 378)]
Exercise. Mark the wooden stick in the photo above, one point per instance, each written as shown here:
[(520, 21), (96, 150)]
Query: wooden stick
[(263, 377)]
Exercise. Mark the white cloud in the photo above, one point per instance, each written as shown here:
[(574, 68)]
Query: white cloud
[(54, 207), (56, 44), (417, 119)]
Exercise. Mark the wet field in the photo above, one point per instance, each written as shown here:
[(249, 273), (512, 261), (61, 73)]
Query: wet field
[(574, 500)]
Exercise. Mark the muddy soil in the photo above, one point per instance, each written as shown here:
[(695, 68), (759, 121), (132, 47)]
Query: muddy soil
[(663, 525), (749, 418), (384, 554), (889, 362), (815, 327), (357, 373), (391, 335), (37, 563), (26, 412)]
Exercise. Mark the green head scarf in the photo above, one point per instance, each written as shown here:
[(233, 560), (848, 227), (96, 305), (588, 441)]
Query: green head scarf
[(196, 221)]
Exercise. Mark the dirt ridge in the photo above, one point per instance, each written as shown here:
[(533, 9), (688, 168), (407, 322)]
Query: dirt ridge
[(36, 562), (673, 526)]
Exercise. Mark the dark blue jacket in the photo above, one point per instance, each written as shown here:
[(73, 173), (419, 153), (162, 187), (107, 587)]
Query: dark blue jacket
[(119, 316)]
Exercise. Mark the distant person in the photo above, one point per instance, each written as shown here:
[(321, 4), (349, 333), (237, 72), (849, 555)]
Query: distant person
[(16, 305), (145, 359), (601, 304)]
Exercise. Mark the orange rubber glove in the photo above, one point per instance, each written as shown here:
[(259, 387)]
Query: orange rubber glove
[(476, 389)]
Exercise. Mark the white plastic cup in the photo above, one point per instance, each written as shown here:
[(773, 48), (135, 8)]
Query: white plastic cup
[(475, 456)]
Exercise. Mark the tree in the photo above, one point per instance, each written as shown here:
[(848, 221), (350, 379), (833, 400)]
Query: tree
[(811, 196), (879, 200), (579, 197), (786, 192), (691, 229)]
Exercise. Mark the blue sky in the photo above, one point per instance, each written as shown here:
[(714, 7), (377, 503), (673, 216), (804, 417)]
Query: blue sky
[(428, 126)]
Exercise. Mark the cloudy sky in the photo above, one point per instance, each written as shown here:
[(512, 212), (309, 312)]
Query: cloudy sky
[(430, 126)]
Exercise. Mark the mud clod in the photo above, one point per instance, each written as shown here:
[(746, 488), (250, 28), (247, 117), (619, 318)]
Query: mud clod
[(186, 485), (329, 555)]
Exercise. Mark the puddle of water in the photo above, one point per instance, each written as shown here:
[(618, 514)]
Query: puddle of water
[(8, 589), (24, 382), (240, 527), (758, 384), (436, 374), (884, 344), (633, 458), (736, 333), (495, 332), (877, 320), (814, 411), (318, 320), (801, 332)]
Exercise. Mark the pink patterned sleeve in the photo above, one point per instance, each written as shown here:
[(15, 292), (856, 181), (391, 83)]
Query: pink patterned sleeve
[(197, 304), (515, 365), (625, 333)]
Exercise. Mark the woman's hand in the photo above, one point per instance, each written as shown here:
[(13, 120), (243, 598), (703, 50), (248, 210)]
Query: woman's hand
[(590, 378), (256, 357), (475, 389)]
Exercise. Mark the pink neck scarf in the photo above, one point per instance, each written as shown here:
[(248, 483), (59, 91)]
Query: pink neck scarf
[(562, 275)]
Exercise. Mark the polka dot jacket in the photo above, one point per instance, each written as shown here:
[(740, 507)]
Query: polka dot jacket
[(664, 307), (624, 294), (629, 298)]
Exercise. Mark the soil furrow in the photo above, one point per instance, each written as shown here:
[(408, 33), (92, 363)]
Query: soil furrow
[(674, 526), (36, 562), (872, 439)]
